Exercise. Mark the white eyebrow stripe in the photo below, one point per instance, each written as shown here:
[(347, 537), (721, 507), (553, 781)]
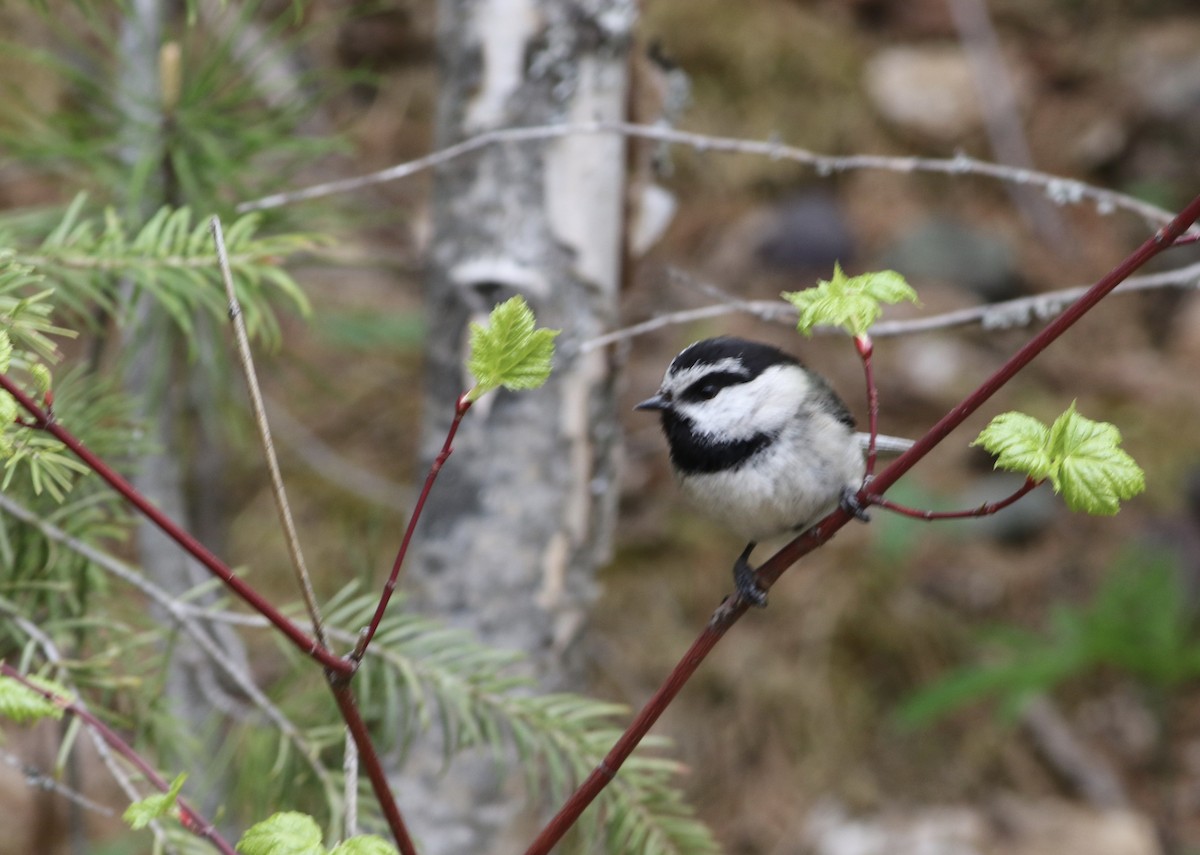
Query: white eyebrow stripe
[(728, 365)]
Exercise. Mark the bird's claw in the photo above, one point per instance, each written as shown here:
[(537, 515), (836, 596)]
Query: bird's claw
[(745, 580), (850, 503)]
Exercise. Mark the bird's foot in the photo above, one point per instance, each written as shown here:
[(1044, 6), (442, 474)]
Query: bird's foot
[(850, 504), (745, 580)]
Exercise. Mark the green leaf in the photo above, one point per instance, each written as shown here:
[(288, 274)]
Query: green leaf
[(1094, 475), (6, 350), (1080, 457), (364, 844), (8, 415), (42, 377), (286, 833), (850, 302), (1019, 443), (142, 813), (510, 351), (22, 704)]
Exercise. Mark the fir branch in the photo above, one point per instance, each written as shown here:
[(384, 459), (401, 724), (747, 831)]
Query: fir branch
[(424, 673), (171, 258)]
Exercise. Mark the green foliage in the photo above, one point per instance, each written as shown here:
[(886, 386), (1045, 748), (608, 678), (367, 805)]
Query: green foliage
[(1137, 624), (851, 302), (510, 351), (292, 833), (420, 674), (171, 258), (364, 844), (42, 579), (1081, 457), (286, 833), (25, 346), (144, 811), (218, 138), (22, 704), (25, 325)]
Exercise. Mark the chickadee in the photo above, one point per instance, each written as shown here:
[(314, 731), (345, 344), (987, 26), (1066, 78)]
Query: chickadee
[(757, 440)]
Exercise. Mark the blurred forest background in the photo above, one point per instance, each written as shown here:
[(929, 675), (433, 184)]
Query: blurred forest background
[(1028, 683)]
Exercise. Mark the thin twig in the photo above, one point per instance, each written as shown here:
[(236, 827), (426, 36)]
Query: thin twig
[(460, 410), (376, 774), (1088, 771), (187, 615), (103, 751), (1009, 314), (43, 420), (986, 509), (264, 432), (997, 96), (35, 778), (862, 343), (350, 786), (1060, 190), (191, 819)]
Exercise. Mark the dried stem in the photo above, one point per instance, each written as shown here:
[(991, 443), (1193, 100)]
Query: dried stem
[(303, 579), (460, 410), (1063, 190), (1004, 315), (732, 609), (192, 820), (36, 780)]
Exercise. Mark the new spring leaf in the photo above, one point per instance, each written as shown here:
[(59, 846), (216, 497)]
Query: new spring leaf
[(144, 811), (510, 351), (1081, 458), (293, 833), (22, 704), (851, 302), (289, 831)]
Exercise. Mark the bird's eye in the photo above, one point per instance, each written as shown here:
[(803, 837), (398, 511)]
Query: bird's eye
[(708, 391)]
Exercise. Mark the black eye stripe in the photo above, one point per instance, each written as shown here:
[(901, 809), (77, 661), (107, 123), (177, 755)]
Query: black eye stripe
[(709, 385)]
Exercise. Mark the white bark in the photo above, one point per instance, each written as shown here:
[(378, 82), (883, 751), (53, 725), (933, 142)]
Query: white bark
[(523, 512)]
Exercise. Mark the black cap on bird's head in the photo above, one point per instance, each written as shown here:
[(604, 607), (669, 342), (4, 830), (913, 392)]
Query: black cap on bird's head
[(739, 360)]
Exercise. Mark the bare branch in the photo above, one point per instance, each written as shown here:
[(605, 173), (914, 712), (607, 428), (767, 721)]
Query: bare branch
[(1022, 311), (1060, 190), (119, 774), (186, 614), (35, 778), (264, 432)]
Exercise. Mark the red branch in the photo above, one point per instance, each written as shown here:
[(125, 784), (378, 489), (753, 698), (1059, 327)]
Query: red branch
[(865, 348), (460, 409), (370, 760), (43, 421), (731, 610), (986, 509), (192, 820), (338, 671)]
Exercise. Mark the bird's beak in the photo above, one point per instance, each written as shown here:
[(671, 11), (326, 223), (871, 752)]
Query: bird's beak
[(658, 402)]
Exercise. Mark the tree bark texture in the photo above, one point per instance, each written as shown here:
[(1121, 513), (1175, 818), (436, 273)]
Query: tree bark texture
[(523, 512)]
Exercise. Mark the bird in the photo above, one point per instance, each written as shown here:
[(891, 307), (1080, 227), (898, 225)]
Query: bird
[(757, 441)]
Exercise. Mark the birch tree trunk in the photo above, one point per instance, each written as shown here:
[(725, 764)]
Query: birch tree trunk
[(523, 512)]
